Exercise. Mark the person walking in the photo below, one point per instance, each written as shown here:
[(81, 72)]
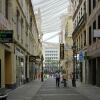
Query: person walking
[(57, 79)]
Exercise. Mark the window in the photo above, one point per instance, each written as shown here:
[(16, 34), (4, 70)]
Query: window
[(79, 15), (94, 27), (0, 6), (31, 23), (99, 22), (85, 38), (94, 3), (90, 35), (26, 29), (89, 7), (81, 41), (84, 7), (6, 9), (77, 19), (21, 30), (17, 24), (81, 12)]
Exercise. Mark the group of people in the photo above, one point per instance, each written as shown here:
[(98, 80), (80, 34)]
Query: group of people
[(64, 79)]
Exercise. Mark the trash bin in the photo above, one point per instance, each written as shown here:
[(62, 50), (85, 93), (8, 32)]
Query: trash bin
[(3, 94)]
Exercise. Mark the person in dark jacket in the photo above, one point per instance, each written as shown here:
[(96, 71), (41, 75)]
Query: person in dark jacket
[(57, 79)]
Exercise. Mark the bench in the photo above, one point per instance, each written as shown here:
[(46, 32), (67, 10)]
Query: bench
[(3, 94)]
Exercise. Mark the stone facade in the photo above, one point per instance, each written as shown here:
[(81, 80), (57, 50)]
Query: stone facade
[(18, 15), (86, 19), (68, 53)]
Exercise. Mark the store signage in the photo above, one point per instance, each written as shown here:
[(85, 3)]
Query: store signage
[(97, 33), (62, 51), (81, 56), (6, 36), (32, 58)]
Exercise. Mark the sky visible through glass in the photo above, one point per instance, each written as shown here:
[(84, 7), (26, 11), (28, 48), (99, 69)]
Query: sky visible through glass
[(51, 12)]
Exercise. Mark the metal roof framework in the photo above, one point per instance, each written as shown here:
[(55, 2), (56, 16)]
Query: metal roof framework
[(51, 12)]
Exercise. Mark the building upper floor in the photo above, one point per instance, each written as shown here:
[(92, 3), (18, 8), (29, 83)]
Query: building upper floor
[(18, 15)]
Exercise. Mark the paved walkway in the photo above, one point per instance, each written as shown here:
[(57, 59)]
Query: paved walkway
[(47, 90), (90, 91), (25, 92)]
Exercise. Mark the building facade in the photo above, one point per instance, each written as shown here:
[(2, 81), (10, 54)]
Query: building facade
[(80, 38), (86, 20), (51, 57), (93, 50), (16, 69)]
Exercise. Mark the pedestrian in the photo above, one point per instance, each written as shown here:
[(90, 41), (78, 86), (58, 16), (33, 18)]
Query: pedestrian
[(64, 77), (57, 79)]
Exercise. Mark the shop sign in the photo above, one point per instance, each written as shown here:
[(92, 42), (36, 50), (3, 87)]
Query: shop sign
[(62, 51), (32, 58), (81, 56), (97, 33), (6, 36)]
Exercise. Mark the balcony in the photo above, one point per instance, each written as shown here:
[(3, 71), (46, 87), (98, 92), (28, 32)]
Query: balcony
[(81, 22)]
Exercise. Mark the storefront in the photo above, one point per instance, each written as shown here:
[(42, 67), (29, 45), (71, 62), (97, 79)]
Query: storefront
[(20, 66), (94, 64)]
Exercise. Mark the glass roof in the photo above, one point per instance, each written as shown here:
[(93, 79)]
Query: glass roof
[(51, 12)]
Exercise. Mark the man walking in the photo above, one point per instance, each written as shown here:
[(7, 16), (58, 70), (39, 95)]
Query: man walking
[(57, 79)]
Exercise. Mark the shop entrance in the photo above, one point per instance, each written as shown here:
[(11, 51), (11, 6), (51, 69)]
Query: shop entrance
[(8, 69)]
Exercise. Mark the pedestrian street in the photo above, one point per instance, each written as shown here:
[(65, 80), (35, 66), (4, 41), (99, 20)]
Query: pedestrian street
[(49, 91)]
